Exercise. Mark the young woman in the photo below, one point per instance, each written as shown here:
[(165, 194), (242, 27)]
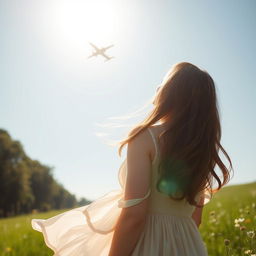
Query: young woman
[(166, 179)]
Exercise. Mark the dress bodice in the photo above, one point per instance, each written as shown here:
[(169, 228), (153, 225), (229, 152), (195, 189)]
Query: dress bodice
[(159, 202)]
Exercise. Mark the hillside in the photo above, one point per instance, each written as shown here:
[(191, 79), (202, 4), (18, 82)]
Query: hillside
[(219, 215)]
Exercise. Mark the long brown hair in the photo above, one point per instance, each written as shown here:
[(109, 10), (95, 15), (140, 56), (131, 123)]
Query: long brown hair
[(186, 103)]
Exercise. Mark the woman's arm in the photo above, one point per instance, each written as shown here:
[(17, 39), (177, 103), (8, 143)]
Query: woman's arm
[(126, 236), (132, 219), (197, 214)]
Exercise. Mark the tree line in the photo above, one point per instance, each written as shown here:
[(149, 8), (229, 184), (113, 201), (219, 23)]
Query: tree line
[(27, 185)]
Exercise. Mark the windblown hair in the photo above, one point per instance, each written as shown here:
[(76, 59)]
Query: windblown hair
[(186, 103)]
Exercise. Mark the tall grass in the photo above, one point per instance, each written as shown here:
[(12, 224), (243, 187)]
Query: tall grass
[(228, 218), (228, 226)]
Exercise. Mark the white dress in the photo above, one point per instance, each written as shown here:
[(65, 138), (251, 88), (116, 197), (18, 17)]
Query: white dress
[(88, 230)]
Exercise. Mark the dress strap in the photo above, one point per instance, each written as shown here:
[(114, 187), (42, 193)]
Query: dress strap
[(131, 202), (155, 143)]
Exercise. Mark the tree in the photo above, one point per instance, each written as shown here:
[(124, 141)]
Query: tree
[(27, 184)]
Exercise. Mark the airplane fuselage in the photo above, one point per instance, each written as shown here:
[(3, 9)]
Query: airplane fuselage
[(100, 51)]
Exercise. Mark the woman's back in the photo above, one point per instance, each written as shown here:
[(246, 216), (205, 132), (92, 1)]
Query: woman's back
[(169, 228), (160, 202)]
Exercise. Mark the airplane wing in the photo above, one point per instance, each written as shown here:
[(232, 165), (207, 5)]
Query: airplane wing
[(94, 54), (94, 46), (105, 48), (106, 56)]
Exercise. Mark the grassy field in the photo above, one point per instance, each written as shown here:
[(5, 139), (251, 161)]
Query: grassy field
[(229, 221), (228, 226)]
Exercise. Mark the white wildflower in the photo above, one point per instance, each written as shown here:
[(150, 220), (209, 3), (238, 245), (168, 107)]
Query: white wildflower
[(251, 234), (239, 220)]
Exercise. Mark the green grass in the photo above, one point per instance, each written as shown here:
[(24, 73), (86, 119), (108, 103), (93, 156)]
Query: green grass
[(218, 222), (17, 238)]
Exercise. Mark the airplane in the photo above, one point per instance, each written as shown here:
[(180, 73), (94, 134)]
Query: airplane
[(101, 51)]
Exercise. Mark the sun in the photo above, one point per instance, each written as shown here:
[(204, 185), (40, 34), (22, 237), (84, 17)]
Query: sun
[(73, 23)]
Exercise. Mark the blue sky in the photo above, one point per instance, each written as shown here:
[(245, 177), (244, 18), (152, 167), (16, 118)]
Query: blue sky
[(52, 97)]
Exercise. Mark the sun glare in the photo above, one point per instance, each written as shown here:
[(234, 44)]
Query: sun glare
[(74, 23)]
